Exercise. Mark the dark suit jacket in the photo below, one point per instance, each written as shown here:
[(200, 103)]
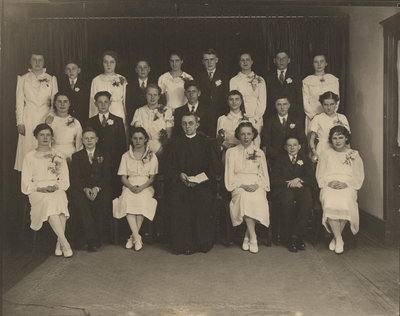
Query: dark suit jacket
[(284, 170), (79, 98), (135, 97), (274, 135), (112, 139), (292, 90), (214, 95), (86, 175), (205, 123)]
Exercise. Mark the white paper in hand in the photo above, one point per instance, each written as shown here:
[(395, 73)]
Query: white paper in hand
[(201, 177)]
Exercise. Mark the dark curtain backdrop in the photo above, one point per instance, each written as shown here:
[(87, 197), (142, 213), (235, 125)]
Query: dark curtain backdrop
[(85, 40)]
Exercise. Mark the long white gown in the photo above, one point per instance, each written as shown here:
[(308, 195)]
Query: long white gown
[(33, 100), (254, 93), (174, 89), (321, 124), (240, 169), (153, 122), (41, 169), (67, 135), (138, 172), (116, 85), (346, 167), (313, 87)]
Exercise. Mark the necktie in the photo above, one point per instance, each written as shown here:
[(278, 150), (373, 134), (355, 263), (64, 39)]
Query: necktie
[(284, 122), (104, 121), (72, 84), (142, 86), (281, 77), (293, 159), (192, 110), (91, 158), (210, 75)]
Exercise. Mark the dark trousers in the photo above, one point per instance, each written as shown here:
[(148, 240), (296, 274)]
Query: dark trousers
[(92, 213), (293, 215)]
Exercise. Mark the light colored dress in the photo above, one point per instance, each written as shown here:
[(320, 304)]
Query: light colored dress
[(138, 172), (153, 122), (41, 169), (116, 85), (346, 166), (67, 135), (254, 93), (247, 166), (229, 123), (33, 100), (174, 89), (321, 124), (313, 87)]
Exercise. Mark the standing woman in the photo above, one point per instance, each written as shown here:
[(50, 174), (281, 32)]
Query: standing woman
[(112, 82), (316, 85), (67, 129), (253, 89), (35, 92), (172, 82), (45, 179), (246, 176)]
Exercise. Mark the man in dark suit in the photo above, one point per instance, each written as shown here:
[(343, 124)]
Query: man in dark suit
[(214, 86), (111, 133), (292, 180), (90, 187), (278, 128), (282, 81), (136, 90), (192, 93), (77, 91)]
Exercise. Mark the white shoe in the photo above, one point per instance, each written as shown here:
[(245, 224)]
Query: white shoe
[(58, 252), (339, 247), (67, 251), (129, 243), (253, 246), (245, 245), (138, 244), (332, 244)]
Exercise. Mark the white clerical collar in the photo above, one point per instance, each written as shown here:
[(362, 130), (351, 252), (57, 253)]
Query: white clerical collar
[(105, 114), (190, 136), (279, 72), (190, 106), (141, 81), (91, 151), (283, 117)]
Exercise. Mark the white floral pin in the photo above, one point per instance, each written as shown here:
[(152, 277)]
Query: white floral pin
[(292, 125), (218, 83), (110, 122), (300, 162), (289, 80), (77, 89)]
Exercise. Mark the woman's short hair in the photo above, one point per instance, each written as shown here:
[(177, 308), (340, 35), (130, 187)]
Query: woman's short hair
[(176, 52), (328, 95), (153, 86), (237, 92), (59, 93), (36, 52), (339, 129), (42, 127), (246, 124), (101, 93), (111, 53), (88, 129), (319, 54), (246, 53), (133, 130)]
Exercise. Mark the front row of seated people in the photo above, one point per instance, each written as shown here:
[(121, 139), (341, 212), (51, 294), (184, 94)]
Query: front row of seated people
[(191, 162)]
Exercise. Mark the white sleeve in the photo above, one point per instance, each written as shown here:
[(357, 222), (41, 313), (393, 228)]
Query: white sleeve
[(20, 100), (231, 182), (92, 107), (358, 173), (78, 136), (63, 180), (263, 176), (27, 184), (306, 101), (262, 100)]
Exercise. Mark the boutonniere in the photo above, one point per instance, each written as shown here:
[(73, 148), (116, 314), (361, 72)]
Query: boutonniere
[(100, 160), (255, 81), (289, 80), (110, 122), (349, 158), (300, 162), (70, 121), (218, 82), (253, 156), (146, 158), (184, 78), (161, 109), (76, 89), (44, 81), (121, 81), (292, 125)]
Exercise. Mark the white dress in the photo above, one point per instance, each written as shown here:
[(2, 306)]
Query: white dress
[(241, 169), (138, 172), (116, 85), (33, 100), (41, 169), (346, 167), (67, 135), (174, 89), (153, 122), (254, 93), (313, 87), (321, 124)]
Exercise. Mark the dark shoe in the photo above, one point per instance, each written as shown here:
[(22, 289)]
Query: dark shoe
[(91, 249), (292, 245), (300, 245)]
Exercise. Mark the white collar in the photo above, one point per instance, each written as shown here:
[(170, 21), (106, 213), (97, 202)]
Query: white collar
[(105, 114), (279, 72), (191, 136), (73, 80), (190, 106), (91, 151), (145, 81), (212, 71), (291, 156), (283, 117)]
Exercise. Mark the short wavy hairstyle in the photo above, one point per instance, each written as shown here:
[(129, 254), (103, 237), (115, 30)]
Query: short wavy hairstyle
[(328, 95), (42, 127), (237, 92), (111, 53), (88, 129), (246, 124), (101, 93), (339, 129), (153, 86), (133, 130), (60, 93)]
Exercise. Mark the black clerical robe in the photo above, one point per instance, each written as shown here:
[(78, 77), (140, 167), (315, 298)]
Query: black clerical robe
[(192, 211)]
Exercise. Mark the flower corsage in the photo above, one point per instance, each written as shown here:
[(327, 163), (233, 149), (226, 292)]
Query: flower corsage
[(110, 122), (147, 156), (218, 82), (70, 122), (76, 89), (100, 160), (350, 157), (253, 156), (120, 82), (300, 162), (292, 125), (255, 81), (44, 81), (54, 164), (289, 80)]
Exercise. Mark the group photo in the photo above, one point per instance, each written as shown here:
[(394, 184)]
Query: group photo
[(157, 161)]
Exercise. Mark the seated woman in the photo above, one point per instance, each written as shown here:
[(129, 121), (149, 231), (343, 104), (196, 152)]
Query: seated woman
[(246, 176), (138, 169), (67, 129), (322, 123), (45, 179), (340, 174), (155, 118)]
